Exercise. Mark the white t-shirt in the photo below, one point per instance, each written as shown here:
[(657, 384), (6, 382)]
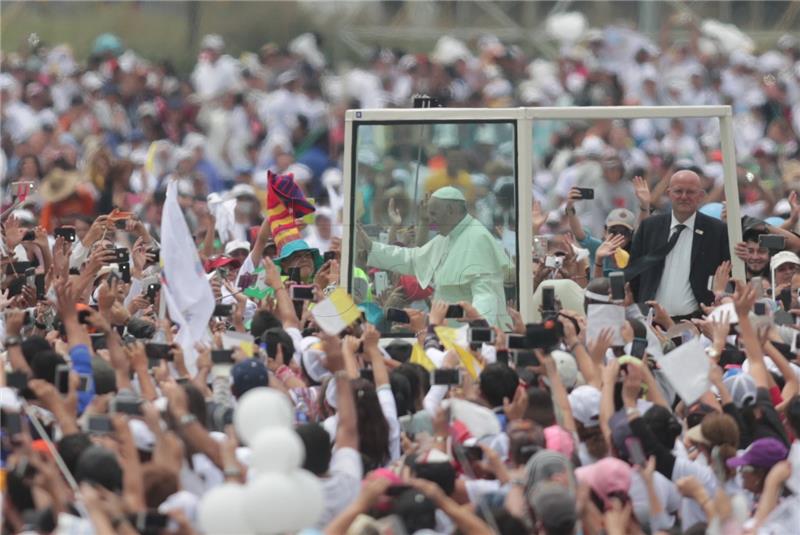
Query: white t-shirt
[(342, 484)]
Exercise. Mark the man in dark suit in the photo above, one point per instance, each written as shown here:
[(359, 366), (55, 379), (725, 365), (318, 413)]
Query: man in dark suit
[(673, 255)]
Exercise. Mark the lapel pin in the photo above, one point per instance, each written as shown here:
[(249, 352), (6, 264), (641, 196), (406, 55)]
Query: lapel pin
[(698, 231)]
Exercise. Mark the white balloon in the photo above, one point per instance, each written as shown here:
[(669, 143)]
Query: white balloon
[(259, 409), (221, 511), (277, 449), (313, 498), (273, 503)]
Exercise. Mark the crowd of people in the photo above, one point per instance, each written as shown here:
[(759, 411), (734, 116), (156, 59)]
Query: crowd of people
[(171, 247)]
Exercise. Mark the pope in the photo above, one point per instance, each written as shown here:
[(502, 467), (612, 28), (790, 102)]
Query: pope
[(463, 262)]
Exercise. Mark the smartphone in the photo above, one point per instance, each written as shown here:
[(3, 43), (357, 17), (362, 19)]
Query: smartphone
[(38, 282), (785, 298), (329, 255), (473, 453), (635, 451), (773, 242), (796, 342), (397, 315), (516, 342), (730, 288), (16, 286), (366, 373), (68, 233), (84, 382), (156, 253), (152, 291), (302, 292), (131, 407), (99, 423), (29, 235), (543, 335), (548, 299), (525, 358), (617, 280), (222, 356), (446, 377), (758, 284), (222, 310), (158, 351), (247, 280), (480, 335), (149, 522), (294, 274), (62, 378), (677, 340), (638, 348), (125, 272), (18, 268), (760, 309), (455, 312), (381, 282), (12, 423), (120, 224), (586, 193), (17, 380)]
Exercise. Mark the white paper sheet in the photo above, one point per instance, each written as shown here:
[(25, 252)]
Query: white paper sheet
[(686, 368), (601, 317)]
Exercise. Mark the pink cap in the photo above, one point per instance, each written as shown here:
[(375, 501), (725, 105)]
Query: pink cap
[(558, 439), (606, 476)]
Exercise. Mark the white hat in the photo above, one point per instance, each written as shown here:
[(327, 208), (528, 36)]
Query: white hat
[(772, 61), (212, 41), (243, 190), (448, 193), (784, 257), (585, 404), (302, 173), (592, 146), (194, 140), (91, 81), (24, 216), (235, 245)]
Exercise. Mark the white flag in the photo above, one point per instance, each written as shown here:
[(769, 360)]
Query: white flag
[(188, 294)]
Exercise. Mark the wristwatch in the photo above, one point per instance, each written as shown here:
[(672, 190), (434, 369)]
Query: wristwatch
[(712, 353), (187, 419), (13, 341), (569, 211), (632, 411)]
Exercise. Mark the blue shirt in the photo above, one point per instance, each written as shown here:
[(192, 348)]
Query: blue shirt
[(81, 359)]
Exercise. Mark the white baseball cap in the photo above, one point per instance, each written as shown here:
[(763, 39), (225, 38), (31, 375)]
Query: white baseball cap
[(585, 404), (235, 245)]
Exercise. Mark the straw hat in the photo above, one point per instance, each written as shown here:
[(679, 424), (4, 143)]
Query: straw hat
[(58, 185)]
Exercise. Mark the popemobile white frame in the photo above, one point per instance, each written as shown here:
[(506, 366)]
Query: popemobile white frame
[(524, 118)]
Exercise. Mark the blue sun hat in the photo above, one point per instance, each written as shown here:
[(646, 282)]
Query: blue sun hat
[(298, 246)]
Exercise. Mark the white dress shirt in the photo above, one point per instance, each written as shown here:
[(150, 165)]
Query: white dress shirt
[(674, 291)]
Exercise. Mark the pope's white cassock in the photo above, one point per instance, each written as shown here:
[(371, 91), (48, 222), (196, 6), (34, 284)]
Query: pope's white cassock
[(466, 265)]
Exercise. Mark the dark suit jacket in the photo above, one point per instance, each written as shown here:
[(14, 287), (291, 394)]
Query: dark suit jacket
[(709, 250)]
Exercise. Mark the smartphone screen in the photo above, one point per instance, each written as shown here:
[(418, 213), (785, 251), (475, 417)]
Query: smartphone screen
[(294, 274), (548, 299), (222, 356), (445, 377), (481, 335), (62, 378), (17, 380), (300, 292), (12, 423), (158, 351), (455, 312), (617, 280), (99, 423), (131, 407), (67, 233), (329, 255), (397, 315), (366, 373), (222, 310), (526, 358), (516, 342), (381, 282), (38, 281), (760, 309)]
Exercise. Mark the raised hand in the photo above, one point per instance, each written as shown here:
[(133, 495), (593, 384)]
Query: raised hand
[(609, 247), (394, 213), (642, 191)]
